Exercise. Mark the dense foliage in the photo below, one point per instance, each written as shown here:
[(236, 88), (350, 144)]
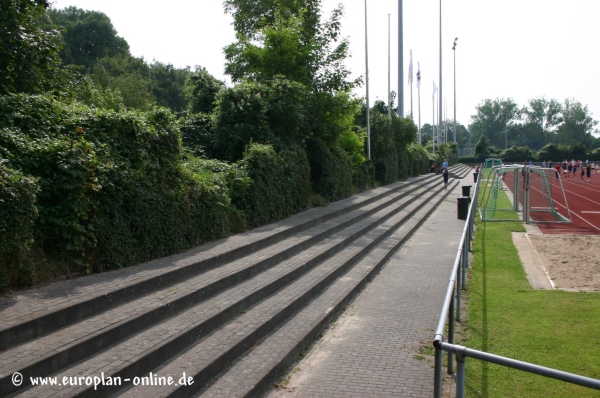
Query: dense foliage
[(535, 125), (28, 47), (111, 189), (550, 152)]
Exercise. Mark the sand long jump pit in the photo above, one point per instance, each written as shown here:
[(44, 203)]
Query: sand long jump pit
[(566, 262)]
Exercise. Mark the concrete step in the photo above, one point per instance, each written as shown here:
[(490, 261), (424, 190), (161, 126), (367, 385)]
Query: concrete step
[(30, 314), (269, 360), (77, 342), (461, 171), (304, 305)]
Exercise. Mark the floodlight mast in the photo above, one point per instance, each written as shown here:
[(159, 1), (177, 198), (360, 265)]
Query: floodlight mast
[(454, 50)]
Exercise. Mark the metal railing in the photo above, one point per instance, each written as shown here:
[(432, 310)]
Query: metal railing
[(451, 313)]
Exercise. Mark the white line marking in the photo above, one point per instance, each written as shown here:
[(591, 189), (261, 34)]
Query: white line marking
[(590, 212)]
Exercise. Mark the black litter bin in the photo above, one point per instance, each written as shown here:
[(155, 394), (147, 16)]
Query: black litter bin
[(475, 177), (463, 207), (466, 189)]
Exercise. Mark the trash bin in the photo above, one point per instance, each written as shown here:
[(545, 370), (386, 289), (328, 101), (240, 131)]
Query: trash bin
[(466, 190), (463, 207), (475, 177)]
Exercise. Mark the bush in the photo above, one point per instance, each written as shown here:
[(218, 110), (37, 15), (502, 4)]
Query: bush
[(363, 176), (385, 155), (240, 117), (418, 160), (112, 189), (354, 146), (17, 217), (196, 134), (516, 154), (279, 184), (330, 170)]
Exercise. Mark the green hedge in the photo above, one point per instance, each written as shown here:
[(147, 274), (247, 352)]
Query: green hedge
[(363, 176), (111, 188), (91, 189), (279, 184), (18, 214), (330, 170)]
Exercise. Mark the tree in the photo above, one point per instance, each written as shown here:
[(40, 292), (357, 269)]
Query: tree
[(29, 47), (127, 75), (251, 16), (492, 120), (288, 38), (482, 148), (578, 124), (201, 90), (87, 36), (426, 134), (279, 53), (463, 138), (167, 84), (541, 118), (239, 117), (285, 40)]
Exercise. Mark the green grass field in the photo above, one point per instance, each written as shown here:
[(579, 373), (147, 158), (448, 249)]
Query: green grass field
[(507, 317)]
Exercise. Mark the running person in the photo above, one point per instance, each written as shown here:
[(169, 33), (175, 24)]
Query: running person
[(557, 167), (446, 174), (588, 171)]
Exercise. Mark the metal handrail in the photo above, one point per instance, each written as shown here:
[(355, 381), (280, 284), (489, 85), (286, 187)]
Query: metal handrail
[(463, 352), (452, 300)]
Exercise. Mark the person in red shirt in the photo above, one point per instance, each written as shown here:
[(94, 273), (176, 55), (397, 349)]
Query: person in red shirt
[(557, 167)]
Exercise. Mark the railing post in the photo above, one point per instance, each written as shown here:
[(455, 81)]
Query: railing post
[(470, 227), (460, 375), (458, 291), (465, 263), (437, 381), (451, 333)]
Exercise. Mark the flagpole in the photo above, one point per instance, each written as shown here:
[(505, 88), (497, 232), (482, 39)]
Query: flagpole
[(411, 84), (389, 73), (400, 62), (367, 79), (433, 123), (440, 86), (444, 121), (419, 97)]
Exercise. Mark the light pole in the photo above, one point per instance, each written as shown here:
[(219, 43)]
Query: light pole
[(440, 109), (454, 49), (367, 80)]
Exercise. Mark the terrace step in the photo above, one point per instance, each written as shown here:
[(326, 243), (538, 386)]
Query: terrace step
[(461, 171), (140, 336), (30, 314), (273, 333)]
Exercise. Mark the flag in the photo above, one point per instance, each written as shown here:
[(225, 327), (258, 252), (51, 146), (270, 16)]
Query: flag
[(418, 75), (410, 70), (434, 89)]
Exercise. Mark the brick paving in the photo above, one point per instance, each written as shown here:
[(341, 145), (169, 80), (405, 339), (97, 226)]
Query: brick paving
[(376, 348)]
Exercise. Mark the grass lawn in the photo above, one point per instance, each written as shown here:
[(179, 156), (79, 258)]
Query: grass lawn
[(507, 317)]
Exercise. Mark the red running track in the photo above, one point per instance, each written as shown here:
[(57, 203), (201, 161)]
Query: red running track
[(583, 198)]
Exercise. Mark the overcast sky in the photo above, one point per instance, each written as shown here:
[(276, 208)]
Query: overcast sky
[(521, 49)]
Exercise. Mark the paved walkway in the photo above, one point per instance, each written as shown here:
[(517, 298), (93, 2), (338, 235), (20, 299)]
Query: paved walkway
[(381, 346)]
